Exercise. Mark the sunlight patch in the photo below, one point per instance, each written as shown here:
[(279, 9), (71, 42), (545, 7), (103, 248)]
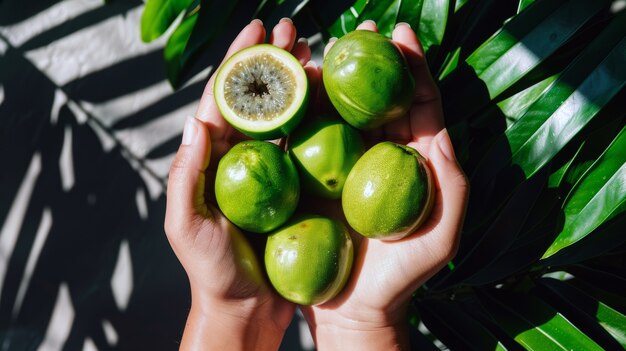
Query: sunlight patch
[(142, 203), (106, 140), (3, 47), (109, 332), (122, 279), (60, 323), (40, 238), (13, 223), (47, 19), (60, 99), (66, 161), (78, 55), (306, 340), (89, 345)]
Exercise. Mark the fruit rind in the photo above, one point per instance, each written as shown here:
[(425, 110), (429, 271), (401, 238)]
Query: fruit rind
[(257, 186), (389, 193), (295, 261), (324, 150), (368, 80), (259, 129)]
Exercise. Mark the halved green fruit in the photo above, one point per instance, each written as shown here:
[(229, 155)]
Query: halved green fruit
[(368, 79), (309, 260), (389, 193), (262, 91), (324, 150), (257, 186)]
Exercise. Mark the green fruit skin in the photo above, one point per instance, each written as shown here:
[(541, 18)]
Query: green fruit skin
[(368, 79), (389, 193), (257, 186), (309, 260), (324, 151)]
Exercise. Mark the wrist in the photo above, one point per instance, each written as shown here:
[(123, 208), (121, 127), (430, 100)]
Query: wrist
[(368, 331), (334, 337), (229, 325)]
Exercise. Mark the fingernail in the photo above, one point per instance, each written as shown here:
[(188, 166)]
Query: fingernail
[(256, 20), (285, 19), (369, 21), (303, 41), (332, 40), (445, 145), (190, 131), (402, 24)]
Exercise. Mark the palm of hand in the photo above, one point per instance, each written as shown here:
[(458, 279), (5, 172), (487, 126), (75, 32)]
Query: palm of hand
[(220, 262), (384, 274)]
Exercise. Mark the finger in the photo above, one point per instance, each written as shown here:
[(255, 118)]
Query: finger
[(253, 33), (186, 182), (302, 51), (284, 34), (426, 114), (329, 45), (318, 100), (448, 214), (368, 25), (398, 131)]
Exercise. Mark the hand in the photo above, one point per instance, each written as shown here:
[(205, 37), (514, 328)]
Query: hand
[(370, 313), (233, 306)]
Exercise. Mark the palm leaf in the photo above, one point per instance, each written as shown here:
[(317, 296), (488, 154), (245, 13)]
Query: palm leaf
[(532, 93)]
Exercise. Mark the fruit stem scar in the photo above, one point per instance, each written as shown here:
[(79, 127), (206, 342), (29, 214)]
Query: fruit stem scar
[(342, 56)]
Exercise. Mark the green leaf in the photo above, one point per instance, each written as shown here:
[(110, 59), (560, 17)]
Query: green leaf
[(527, 40), (594, 143), (158, 16), (564, 108), (211, 20), (427, 17), (600, 282), (578, 305), (451, 62), (596, 197), (271, 11), (515, 106), (458, 4), (455, 328), (348, 20), (431, 24), (533, 148), (605, 238), (175, 47), (534, 324), (523, 4), (514, 260), (555, 179), (481, 248), (516, 50)]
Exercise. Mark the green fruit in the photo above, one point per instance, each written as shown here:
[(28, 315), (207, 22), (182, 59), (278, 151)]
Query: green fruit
[(368, 79), (262, 91), (389, 193), (324, 150), (309, 260), (257, 186)]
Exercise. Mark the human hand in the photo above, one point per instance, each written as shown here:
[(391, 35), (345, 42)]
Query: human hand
[(370, 312), (233, 307)]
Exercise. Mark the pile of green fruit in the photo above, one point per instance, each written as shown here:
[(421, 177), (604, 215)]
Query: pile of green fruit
[(385, 192)]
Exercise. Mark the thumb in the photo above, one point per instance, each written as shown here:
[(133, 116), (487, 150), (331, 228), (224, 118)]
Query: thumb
[(185, 186)]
